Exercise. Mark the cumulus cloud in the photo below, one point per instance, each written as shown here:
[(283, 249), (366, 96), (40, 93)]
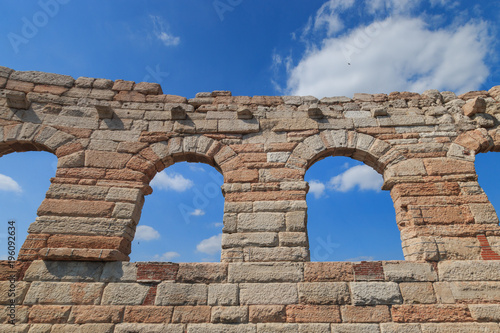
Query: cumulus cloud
[(146, 233), (361, 176), (173, 181), (317, 188), (167, 256), (210, 245), (9, 185), (198, 212), (161, 32), (391, 49)]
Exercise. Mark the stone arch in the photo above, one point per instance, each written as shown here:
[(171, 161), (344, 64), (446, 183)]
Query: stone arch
[(362, 147)]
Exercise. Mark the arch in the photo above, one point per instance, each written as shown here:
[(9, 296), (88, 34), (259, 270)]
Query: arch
[(362, 147)]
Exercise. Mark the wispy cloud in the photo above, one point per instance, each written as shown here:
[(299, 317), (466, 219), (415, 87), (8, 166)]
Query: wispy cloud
[(317, 188), (198, 212), (167, 256), (9, 185), (146, 233), (217, 224), (210, 245), (174, 181), (161, 31), (361, 176)]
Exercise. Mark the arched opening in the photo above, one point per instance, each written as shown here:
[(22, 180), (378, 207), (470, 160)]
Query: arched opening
[(489, 180), (182, 220), (24, 181), (349, 217)]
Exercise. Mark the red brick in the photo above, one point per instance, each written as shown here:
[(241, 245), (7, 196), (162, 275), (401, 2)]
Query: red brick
[(149, 272), (49, 314), (84, 314), (365, 314), (267, 313), (191, 314), (126, 175), (148, 314), (425, 189), (75, 208), (151, 295), (369, 271), (248, 148), (300, 313), (328, 271), (432, 313)]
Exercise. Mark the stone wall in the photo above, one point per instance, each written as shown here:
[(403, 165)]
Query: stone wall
[(112, 138), (320, 297)]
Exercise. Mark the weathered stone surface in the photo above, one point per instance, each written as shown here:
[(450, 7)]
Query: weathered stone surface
[(365, 314), (417, 292), (274, 293), (229, 314), (64, 293), (265, 272), (124, 293), (460, 328), (485, 312), (43, 78), (149, 328), (252, 222), (181, 294), (324, 293), (469, 270), (64, 271), (191, 314), (84, 314), (355, 328), (409, 271), (304, 313), (373, 293), (221, 328), (430, 313), (202, 273)]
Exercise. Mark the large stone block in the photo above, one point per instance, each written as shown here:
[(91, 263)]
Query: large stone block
[(252, 222), (265, 272), (374, 293), (64, 271), (271, 293), (221, 328), (229, 314), (409, 271), (149, 328), (365, 314), (322, 293), (470, 270), (305, 313), (64, 293), (124, 293), (169, 293), (202, 273)]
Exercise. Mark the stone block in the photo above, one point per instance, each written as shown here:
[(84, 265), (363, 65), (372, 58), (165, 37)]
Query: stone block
[(296, 221), (84, 314), (399, 328), (86, 328), (49, 314), (365, 314), (169, 293), (202, 273), (149, 328), (305, 313), (43, 78), (272, 293), (7, 288), (460, 328), (64, 293), (323, 293), (249, 239), (252, 222), (265, 272), (223, 294), (272, 254), (485, 312), (76, 271), (267, 313), (417, 292), (148, 314), (229, 314), (221, 328), (314, 328), (430, 313), (355, 328), (328, 271), (191, 314), (409, 271), (469, 270), (374, 293), (124, 294), (277, 328)]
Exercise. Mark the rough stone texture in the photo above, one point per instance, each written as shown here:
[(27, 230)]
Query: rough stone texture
[(112, 138)]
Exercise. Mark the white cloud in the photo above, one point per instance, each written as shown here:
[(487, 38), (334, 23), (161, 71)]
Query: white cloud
[(210, 245), (161, 32), (317, 188), (394, 55), (217, 224), (362, 176), (198, 212), (167, 256), (146, 233), (328, 16), (174, 181), (196, 168), (8, 184), (394, 48)]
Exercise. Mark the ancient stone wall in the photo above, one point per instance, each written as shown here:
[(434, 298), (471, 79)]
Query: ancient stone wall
[(112, 138)]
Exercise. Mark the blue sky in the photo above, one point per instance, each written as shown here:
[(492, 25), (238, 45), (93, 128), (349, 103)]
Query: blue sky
[(320, 48)]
